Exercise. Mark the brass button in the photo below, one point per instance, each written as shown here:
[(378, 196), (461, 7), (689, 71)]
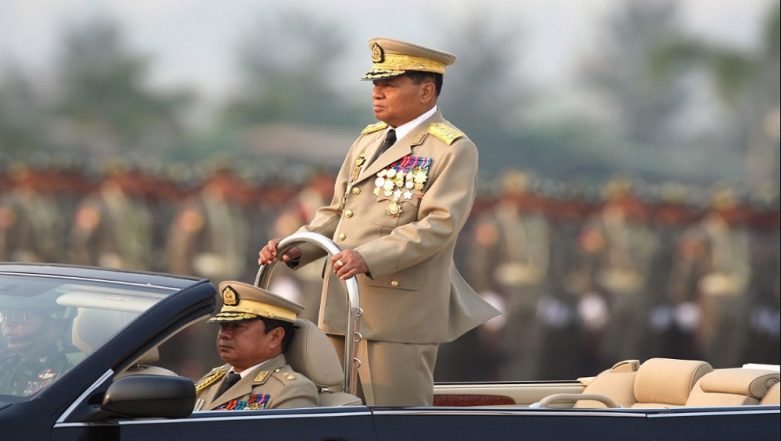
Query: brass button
[(341, 236), (348, 213), (356, 190), (395, 283)]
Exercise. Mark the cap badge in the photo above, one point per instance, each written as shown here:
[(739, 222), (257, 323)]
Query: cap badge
[(378, 54), (230, 297)]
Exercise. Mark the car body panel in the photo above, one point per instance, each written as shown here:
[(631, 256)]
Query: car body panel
[(70, 409)]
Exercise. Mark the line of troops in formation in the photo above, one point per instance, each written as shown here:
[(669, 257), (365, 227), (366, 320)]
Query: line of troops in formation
[(585, 278)]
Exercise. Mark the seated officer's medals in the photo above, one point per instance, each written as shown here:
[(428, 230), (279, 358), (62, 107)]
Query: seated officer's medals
[(402, 181)]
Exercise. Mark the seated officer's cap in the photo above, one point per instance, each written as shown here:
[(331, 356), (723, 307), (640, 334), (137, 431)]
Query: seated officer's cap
[(391, 58), (242, 301)]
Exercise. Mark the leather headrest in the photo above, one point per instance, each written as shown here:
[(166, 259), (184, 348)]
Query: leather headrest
[(750, 382), (94, 327), (668, 380), (312, 354)]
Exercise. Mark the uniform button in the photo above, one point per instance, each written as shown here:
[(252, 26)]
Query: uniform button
[(341, 236), (356, 190), (348, 213), (395, 283)]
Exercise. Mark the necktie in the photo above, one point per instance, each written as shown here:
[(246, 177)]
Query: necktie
[(232, 379), (390, 138)]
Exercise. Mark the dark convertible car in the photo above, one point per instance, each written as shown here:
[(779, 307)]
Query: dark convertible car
[(93, 377)]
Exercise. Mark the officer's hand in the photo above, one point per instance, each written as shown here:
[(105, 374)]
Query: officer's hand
[(268, 253), (348, 263)]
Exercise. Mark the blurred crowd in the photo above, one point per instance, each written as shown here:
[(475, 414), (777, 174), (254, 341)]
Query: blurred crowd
[(586, 275)]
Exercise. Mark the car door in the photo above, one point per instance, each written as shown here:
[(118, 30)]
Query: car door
[(746, 423), (509, 424), (320, 424)]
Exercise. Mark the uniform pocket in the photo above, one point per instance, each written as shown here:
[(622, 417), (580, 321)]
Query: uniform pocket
[(408, 279)]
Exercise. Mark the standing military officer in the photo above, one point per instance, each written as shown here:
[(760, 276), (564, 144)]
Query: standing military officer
[(256, 328), (712, 278), (113, 227), (617, 249), (31, 222), (510, 256), (210, 231), (400, 200)]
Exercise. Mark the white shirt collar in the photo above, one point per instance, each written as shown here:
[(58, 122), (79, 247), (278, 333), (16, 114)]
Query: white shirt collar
[(404, 129), (246, 372)]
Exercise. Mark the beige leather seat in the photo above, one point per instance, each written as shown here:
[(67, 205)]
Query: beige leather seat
[(612, 387), (142, 366), (312, 354), (773, 395), (659, 382), (94, 327), (732, 387), (667, 382), (616, 383)]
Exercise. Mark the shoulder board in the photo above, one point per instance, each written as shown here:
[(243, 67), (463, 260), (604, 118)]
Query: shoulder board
[(445, 133), (284, 375), (371, 128), (212, 377), (261, 378)]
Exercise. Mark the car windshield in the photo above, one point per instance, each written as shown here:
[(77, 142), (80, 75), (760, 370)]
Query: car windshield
[(50, 324)]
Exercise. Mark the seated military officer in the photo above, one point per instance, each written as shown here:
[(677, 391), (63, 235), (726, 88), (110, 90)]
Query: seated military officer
[(256, 328), (32, 354)]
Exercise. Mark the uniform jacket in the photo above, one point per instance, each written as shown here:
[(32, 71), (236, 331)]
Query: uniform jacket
[(273, 384), (413, 292)]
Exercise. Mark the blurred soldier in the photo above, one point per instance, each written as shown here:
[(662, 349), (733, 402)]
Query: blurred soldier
[(32, 355), (763, 342), (671, 216), (113, 227), (510, 257), (31, 222), (565, 353), (161, 194), (617, 249), (711, 276), (210, 232), (300, 210)]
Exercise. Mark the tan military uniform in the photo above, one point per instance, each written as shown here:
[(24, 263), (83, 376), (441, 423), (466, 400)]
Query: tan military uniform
[(413, 292), (273, 384)]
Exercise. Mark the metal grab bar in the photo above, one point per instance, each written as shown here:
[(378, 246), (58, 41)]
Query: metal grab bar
[(350, 363)]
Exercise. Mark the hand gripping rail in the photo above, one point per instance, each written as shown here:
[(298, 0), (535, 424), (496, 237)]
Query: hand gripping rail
[(350, 363)]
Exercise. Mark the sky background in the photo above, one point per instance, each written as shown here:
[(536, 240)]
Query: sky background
[(192, 42)]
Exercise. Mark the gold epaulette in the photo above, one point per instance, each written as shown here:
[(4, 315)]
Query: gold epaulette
[(212, 377), (371, 128), (261, 378), (445, 133)]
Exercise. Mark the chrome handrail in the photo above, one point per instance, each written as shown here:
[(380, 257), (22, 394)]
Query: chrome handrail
[(350, 362)]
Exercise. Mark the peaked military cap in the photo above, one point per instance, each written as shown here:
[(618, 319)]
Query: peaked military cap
[(391, 58), (242, 301)]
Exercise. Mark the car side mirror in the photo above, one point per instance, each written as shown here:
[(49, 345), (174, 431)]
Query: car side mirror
[(150, 396)]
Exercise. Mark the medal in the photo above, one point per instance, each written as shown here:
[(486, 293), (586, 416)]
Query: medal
[(394, 209)]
